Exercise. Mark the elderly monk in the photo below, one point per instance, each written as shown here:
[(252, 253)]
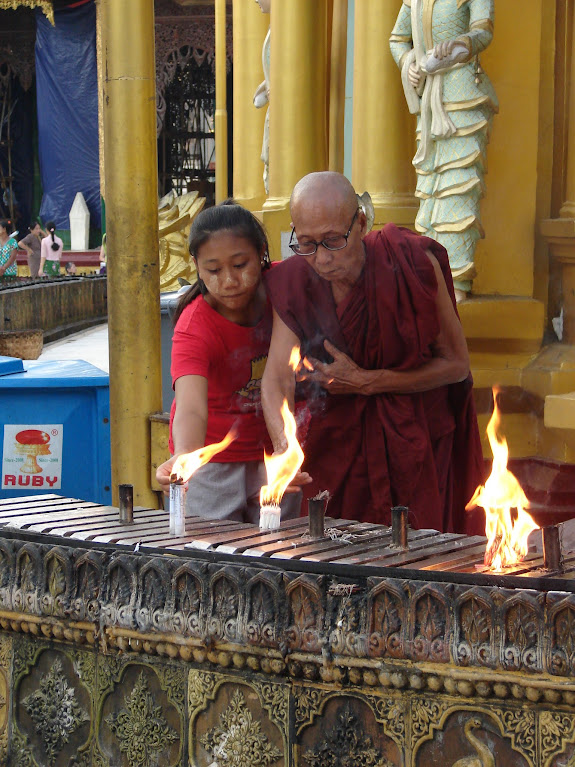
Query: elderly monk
[(392, 419)]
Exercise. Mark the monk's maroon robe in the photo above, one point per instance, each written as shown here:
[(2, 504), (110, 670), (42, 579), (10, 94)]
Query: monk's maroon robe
[(373, 452)]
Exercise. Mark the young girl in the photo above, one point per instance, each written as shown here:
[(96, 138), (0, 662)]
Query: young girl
[(8, 249), (50, 252), (219, 351)]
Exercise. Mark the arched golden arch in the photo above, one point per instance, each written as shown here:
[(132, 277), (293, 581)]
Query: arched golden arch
[(45, 6)]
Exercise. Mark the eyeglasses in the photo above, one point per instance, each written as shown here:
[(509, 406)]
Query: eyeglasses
[(309, 247)]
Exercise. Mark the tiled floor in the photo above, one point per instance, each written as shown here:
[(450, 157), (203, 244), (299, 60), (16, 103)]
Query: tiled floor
[(90, 345)]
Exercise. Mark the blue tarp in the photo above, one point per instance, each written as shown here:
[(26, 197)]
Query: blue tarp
[(67, 97)]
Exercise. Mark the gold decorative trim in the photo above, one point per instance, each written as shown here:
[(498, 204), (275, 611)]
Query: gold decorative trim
[(459, 106), (427, 21), (470, 129), (400, 39), (465, 162), (482, 25), (463, 188), (44, 5), (457, 227)]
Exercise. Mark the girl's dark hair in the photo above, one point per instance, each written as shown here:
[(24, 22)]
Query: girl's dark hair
[(6, 224), (51, 227), (227, 216), (33, 225)]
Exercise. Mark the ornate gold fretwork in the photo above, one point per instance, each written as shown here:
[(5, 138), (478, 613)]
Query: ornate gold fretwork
[(140, 727), (44, 5), (238, 739)]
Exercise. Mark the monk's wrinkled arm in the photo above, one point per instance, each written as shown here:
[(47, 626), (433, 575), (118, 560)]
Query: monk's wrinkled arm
[(450, 362), (278, 382)]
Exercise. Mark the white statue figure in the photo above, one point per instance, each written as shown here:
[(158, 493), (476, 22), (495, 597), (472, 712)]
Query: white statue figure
[(437, 46), (262, 96)]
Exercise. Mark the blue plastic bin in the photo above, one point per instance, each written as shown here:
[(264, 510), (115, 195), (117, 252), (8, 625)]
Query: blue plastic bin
[(55, 430)]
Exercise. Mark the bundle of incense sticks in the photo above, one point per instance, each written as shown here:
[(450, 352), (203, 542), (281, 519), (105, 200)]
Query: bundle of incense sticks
[(177, 506), (270, 517)]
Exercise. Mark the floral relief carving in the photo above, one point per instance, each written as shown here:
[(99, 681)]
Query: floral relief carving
[(54, 711), (142, 732), (187, 603), (201, 688), (225, 609), (345, 744), (308, 703), (522, 636), (390, 712), (557, 729), (563, 641), (238, 740), (475, 633), (387, 618), (275, 700), (425, 714), (430, 628), (520, 726), (262, 615), (306, 617)]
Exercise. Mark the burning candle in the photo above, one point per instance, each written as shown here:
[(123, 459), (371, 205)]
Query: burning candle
[(280, 469), (177, 507), (184, 467), (507, 524)]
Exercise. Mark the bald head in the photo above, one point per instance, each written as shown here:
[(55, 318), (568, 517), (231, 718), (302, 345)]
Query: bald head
[(324, 189)]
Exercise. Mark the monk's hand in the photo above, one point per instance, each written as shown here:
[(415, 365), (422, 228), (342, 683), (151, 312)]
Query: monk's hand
[(342, 376)]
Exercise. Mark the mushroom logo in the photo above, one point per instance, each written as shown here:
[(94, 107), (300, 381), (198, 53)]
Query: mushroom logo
[(31, 443)]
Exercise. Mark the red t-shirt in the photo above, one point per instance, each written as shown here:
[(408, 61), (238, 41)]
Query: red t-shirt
[(232, 358)]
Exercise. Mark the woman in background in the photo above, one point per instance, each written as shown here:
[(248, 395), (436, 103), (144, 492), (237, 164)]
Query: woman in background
[(51, 252), (32, 244), (8, 251)]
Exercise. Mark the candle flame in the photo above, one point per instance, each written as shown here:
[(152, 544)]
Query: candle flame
[(188, 463), (507, 534), (282, 468)]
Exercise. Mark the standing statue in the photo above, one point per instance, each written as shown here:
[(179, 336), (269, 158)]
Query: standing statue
[(437, 46), (262, 96)]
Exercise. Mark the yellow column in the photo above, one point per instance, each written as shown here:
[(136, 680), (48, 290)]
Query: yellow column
[(561, 232), (298, 105), (337, 85), (221, 116), (250, 27), (132, 240), (383, 142)]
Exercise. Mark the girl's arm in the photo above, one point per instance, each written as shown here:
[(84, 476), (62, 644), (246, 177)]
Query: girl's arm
[(189, 424)]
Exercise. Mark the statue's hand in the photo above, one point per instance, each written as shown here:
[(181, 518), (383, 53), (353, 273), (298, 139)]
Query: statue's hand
[(444, 49), (414, 75)]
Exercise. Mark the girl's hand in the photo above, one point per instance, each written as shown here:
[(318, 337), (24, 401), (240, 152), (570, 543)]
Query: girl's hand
[(300, 479), (2, 270), (163, 473)]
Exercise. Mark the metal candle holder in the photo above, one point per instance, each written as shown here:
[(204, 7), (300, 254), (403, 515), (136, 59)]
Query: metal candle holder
[(399, 526), (126, 508)]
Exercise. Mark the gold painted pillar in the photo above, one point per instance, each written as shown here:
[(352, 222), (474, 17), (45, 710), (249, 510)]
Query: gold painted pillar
[(383, 141), (250, 27), (560, 232), (338, 56), (132, 240), (298, 105), (221, 116)]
